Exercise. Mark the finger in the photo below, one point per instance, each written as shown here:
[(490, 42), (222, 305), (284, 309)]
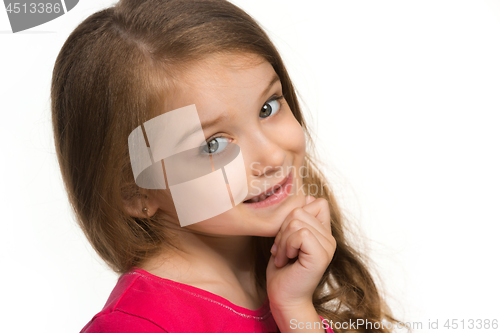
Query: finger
[(293, 213), (320, 209), (304, 245), (277, 240), (302, 214), (296, 220), (274, 248), (309, 199), (327, 241)]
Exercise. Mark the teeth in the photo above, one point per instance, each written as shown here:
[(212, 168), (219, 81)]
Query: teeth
[(261, 197)]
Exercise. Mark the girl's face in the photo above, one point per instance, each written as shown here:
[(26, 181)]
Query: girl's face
[(245, 92)]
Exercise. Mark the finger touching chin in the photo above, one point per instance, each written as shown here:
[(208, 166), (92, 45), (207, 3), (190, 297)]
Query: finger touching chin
[(309, 199)]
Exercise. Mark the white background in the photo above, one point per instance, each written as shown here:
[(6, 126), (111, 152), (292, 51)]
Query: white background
[(404, 98)]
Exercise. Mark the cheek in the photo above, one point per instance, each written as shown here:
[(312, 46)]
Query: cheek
[(165, 202), (227, 223), (292, 135)]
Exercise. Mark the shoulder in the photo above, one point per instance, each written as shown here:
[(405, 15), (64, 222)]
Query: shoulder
[(139, 303), (121, 322), (143, 302)]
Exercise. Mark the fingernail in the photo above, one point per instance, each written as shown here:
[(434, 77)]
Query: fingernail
[(273, 249)]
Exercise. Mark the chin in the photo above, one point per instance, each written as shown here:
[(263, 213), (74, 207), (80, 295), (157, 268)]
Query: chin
[(271, 225), (240, 221)]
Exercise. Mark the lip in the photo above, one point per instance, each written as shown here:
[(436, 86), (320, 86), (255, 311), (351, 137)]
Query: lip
[(282, 192), (276, 186)]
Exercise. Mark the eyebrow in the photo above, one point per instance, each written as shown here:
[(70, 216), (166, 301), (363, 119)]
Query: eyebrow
[(212, 122), (275, 79)]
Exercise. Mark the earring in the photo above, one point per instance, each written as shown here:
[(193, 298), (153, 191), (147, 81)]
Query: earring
[(145, 210)]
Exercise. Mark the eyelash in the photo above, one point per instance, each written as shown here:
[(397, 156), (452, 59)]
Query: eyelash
[(273, 98)]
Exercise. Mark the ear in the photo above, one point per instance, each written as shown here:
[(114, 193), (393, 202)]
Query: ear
[(141, 205)]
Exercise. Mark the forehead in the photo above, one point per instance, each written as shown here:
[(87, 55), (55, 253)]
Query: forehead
[(220, 79), (224, 66)]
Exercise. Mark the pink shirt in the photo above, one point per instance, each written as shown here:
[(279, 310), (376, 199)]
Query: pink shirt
[(143, 302)]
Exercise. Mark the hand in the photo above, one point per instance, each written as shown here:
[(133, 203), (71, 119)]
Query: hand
[(304, 247)]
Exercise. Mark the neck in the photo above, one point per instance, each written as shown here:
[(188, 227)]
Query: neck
[(223, 265), (220, 256)]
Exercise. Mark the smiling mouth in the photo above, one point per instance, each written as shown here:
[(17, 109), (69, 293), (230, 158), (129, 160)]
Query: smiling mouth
[(265, 195), (261, 197)]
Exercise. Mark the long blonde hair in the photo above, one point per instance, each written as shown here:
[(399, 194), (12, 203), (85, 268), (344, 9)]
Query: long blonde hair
[(109, 78)]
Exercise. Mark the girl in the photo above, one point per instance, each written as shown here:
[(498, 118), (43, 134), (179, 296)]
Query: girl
[(278, 260)]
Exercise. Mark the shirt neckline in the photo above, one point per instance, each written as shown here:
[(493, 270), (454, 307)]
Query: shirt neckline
[(260, 314)]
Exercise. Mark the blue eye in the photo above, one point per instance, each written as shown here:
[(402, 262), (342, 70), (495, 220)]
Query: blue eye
[(270, 107), (215, 145)]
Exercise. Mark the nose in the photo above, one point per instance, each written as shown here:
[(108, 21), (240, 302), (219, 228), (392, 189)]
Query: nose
[(266, 156)]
